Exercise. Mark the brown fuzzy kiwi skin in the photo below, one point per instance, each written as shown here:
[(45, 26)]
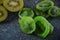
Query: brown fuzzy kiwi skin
[(11, 9), (5, 14)]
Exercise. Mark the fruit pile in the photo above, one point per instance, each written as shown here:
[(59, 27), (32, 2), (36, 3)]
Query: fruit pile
[(35, 22), (31, 21), (9, 5)]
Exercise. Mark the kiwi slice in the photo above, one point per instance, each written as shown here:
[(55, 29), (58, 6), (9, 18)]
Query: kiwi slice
[(54, 11), (13, 5), (3, 13), (44, 5), (27, 25), (26, 12), (44, 27), (41, 13)]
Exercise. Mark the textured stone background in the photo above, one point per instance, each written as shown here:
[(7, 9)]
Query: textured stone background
[(9, 30)]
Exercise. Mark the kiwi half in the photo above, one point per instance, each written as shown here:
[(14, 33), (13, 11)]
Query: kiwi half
[(3, 13), (13, 5)]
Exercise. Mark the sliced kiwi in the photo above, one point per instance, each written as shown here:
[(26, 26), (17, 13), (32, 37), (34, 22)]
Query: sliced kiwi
[(1, 1), (3, 13), (44, 28), (13, 5), (27, 25), (54, 11), (41, 13), (44, 5), (26, 12)]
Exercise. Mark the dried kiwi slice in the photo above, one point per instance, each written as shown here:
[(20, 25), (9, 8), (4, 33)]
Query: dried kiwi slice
[(26, 12), (54, 11), (44, 27), (27, 25), (41, 13), (44, 5), (3, 13), (13, 5)]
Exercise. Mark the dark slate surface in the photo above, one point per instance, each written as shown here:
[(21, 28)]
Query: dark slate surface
[(9, 30)]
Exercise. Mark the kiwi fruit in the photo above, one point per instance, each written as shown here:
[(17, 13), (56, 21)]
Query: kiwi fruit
[(3, 13), (13, 5)]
